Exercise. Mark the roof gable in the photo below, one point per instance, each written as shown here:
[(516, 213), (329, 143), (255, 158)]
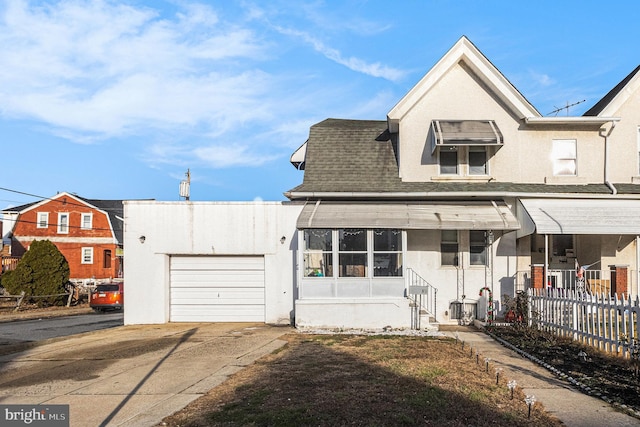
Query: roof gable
[(464, 51), (613, 100), (113, 209)]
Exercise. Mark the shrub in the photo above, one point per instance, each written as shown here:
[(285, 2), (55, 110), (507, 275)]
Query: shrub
[(43, 270)]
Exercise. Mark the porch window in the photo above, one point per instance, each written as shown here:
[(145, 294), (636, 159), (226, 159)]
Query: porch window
[(477, 160), (87, 255), (387, 252), (63, 223), (564, 157), (352, 252), (318, 258), (43, 220), (477, 247), (86, 222), (449, 161), (449, 247)]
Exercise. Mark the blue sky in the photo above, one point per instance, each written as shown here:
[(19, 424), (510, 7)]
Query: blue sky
[(117, 99)]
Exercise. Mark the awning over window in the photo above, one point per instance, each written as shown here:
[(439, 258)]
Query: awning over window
[(487, 215), (465, 132), (584, 216), (299, 156)]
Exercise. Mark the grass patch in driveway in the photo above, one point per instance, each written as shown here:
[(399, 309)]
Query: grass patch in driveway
[(330, 380)]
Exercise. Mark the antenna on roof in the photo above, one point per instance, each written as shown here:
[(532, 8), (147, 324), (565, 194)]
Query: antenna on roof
[(185, 186), (566, 107)]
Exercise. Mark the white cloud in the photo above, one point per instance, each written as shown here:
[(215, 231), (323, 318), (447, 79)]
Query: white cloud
[(105, 69), (355, 64)]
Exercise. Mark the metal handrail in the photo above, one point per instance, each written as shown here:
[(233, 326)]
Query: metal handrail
[(422, 294)]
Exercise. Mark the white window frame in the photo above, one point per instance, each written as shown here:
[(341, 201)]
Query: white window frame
[(478, 244), (43, 220), (456, 150), (88, 219), (86, 255), (638, 145), (370, 251), (478, 149), (562, 157), (63, 226), (456, 260)]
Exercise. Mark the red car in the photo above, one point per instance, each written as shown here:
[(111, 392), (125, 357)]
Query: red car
[(107, 296)]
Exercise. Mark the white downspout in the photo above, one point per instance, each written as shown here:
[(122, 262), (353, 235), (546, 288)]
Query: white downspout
[(637, 266), (606, 135)]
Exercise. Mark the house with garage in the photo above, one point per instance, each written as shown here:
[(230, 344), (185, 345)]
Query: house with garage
[(89, 233), (463, 195)]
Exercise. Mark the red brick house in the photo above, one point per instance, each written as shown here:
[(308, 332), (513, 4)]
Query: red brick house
[(87, 232)]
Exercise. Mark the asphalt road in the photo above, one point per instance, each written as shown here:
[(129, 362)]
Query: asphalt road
[(25, 331)]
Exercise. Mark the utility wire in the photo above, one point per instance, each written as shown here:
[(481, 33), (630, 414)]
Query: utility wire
[(71, 203)]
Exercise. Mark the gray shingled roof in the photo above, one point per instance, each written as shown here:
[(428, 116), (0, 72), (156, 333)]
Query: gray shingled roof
[(601, 105), (114, 208), (357, 156)]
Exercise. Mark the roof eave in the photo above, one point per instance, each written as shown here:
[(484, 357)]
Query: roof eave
[(295, 195), (573, 120)]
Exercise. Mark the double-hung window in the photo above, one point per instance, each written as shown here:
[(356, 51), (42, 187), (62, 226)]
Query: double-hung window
[(87, 255), (318, 257), (63, 223), (477, 247), (387, 252), (449, 161), (43, 220), (638, 150), (477, 160), (86, 221), (352, 252), (564, 155), (449, 247)]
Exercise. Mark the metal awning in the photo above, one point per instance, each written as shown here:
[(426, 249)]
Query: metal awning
[(581, 216), (465, 132), (299, 157), (482, 215)]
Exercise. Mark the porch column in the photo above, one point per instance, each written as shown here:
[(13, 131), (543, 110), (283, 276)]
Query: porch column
[(619, 279), (537, 276)]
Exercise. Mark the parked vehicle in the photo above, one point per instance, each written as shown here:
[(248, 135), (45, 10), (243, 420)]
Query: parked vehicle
[(107, 296)]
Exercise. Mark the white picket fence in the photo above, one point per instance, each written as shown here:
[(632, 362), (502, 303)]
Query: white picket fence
[(602, 321)]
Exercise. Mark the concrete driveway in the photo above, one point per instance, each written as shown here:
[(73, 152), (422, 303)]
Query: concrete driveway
[(133, 375)]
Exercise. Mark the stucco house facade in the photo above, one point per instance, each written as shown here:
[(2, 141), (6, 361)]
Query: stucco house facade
[(464, 194)]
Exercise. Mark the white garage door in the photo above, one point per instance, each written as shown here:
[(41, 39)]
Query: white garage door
[(217, 289)]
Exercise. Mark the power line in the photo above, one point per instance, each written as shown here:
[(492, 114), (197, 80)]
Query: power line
[(71, 203), (56, 225)]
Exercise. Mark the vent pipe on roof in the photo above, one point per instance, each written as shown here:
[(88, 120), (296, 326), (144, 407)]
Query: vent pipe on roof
[(606, 135)]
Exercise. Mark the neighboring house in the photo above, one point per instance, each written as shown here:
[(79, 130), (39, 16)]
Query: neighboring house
[(464, 194), (87, 232)]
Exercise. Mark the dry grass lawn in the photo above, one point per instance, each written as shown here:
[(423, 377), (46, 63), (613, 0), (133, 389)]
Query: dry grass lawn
[(338, 380)]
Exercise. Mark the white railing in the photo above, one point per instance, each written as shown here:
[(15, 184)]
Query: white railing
[(592, 281), (610, 323), (423, 295)]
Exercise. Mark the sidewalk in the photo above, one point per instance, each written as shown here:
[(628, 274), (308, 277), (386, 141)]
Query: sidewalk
[(559, 398)]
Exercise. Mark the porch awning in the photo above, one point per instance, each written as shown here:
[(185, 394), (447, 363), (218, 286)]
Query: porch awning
[(465, 132), (482, 215), (582, 216)]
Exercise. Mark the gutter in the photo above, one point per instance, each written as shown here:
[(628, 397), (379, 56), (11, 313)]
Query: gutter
[(449, 194), (606, 135)]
